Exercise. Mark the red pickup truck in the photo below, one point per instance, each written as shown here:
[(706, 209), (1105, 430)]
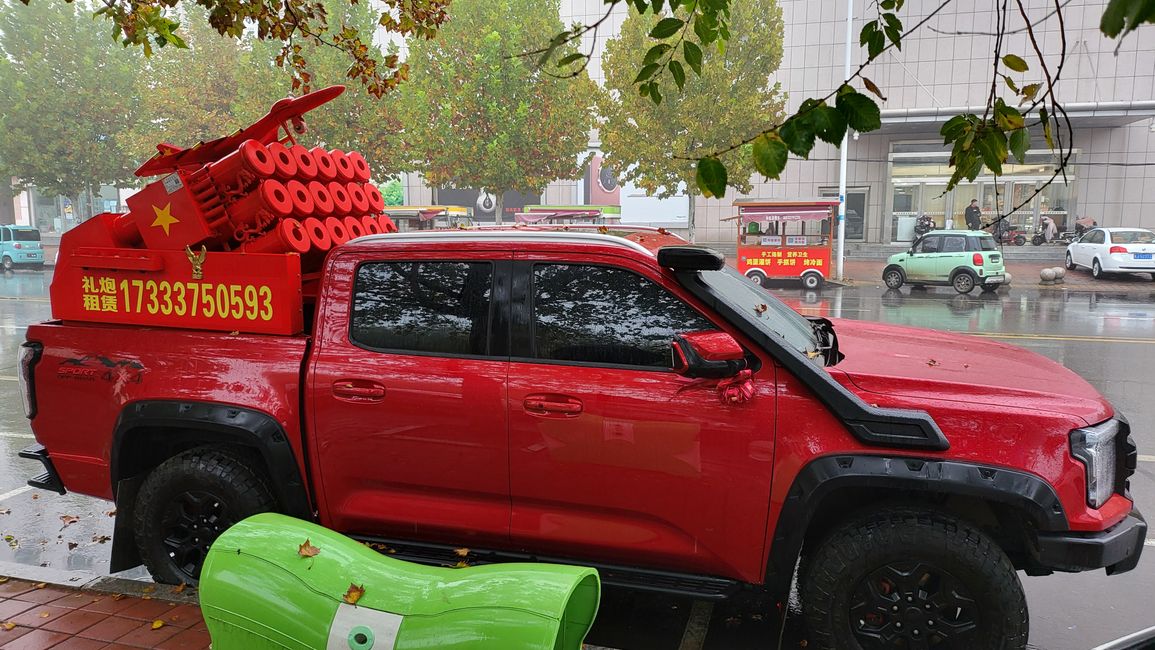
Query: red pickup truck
[(578, 397)]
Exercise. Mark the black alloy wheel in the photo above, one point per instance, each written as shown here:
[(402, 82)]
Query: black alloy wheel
[(913, 605), (191, 522)]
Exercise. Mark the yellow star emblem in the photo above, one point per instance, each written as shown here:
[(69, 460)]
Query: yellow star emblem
[(164, 217)]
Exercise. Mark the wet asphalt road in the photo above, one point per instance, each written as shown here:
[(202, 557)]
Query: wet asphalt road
[(1107, 338)]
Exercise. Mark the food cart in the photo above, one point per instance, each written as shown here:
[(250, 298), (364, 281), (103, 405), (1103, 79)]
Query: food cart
[(786, 239), (428, 217)]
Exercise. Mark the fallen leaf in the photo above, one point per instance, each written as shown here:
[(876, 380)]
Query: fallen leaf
[(461, 564), (100, 539), (40, 585), (307, 549), (111, 513), (354, 593), (72, 545), (146, 597), (8, 627), (45, 614), (932, 362), (35, 495), (157, 624), (966, 365), (149, 589), (68, 520), (5, 511), (3, 579), (760, 309), (390, 551), (462, 552), (118, 596), (179, 588)]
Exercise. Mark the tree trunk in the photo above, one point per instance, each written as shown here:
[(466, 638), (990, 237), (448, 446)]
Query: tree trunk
[(77, 209), (499, 204), (7, 207), (690, 217)]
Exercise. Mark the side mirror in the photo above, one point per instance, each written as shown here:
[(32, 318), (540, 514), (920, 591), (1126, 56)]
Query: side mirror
[(709, 355)]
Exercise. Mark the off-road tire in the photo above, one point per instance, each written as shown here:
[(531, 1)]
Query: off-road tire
[(225, 476), (1070, 263), (899, 536)]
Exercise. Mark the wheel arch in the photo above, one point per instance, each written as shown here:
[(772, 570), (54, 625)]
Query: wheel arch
[(832, 489), (150, 432), (894, 267), (963, 269)]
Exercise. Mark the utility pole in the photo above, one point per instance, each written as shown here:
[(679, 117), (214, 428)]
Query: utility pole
[(845, 144)]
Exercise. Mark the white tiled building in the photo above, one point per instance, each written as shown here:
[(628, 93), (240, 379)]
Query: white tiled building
[(900, 172)]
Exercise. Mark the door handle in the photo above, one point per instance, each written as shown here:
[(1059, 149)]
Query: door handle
[(358, 390), (552, 405)]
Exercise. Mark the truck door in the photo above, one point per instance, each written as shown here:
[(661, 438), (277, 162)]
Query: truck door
[(612, 454), (408, 398)]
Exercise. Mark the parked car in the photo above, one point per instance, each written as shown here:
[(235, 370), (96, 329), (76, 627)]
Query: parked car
[(20, 246), (1114, 250), (962, 259), (582, 398)]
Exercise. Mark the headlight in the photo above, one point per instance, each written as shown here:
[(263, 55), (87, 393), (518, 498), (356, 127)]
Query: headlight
[(29, 354), (1095, 447)]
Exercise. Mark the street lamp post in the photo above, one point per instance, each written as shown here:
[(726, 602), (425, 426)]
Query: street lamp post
[(845, 144)]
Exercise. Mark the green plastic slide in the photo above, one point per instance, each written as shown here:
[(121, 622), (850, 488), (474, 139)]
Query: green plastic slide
[(260, 588)]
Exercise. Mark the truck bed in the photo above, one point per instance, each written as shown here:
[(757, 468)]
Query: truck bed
[(88, 373)]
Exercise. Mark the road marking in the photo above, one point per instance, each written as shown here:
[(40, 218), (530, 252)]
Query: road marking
[(1045, 337), (1149, 542), (26, 436), (1147, 458), (16, 492)]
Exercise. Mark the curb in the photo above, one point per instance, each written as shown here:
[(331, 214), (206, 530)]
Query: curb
[(85, 581)]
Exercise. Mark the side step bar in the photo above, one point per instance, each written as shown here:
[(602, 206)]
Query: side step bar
[(49, 480), (668, 582)]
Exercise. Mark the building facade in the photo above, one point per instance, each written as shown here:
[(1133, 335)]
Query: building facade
[(900, 171)]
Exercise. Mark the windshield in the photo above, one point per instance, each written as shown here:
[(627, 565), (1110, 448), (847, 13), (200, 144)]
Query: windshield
[(26, 235), (765, 311)]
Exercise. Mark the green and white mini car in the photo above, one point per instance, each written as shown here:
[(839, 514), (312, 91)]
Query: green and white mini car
[(962, 259)]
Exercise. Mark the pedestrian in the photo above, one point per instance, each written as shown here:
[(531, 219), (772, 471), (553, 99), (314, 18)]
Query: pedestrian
[(974, 215), (1050, 232)]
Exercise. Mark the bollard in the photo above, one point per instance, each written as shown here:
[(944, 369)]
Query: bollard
[(1047, 276), (260, 591)]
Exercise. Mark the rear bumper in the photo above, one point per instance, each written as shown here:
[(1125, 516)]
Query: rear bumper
[(50, 479), (1116, 549)]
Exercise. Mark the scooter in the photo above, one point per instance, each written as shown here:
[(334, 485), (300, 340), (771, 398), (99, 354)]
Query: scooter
[(1005, 233), (924, 225)]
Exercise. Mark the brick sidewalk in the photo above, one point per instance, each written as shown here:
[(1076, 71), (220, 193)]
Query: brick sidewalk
[(34, 616)]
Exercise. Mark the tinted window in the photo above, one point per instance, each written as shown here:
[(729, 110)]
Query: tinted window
[(26, 235), (1132, 237), (987, 243), (954, 244), (1097, 237), (434, 307), (604, 315)]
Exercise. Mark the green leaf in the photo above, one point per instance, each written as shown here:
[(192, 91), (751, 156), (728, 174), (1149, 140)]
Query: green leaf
[(798, 134), (679, 74), (1114, 17), (693, 55), (1011, 84), (954, 128), (1020, 142), (770, 154), (711, 177), (860, 111), (886, 5), (655, 94), (1047, 135), (571, 58), (868, 30), (646, 72), (1015, 62), (992, 146), (641, 5), (656, 53), (666, 27), (657, 4), (1030, 91), (829, 124)]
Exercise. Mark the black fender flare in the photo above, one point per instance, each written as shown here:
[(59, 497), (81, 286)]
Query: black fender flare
[(825, 477), (964, 269), (216, 423)]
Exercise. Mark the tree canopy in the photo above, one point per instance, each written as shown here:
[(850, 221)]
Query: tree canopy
[(66, 99), (475, 115)]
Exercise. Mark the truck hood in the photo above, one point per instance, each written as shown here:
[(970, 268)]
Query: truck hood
[(932, 365)]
